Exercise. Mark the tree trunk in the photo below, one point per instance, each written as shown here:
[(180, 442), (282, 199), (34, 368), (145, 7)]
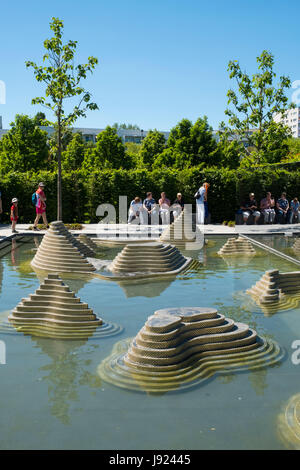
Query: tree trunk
[(59, 185)]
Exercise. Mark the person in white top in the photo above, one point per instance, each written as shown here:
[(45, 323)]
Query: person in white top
[(135, 209), (200, 196), (164, 209)]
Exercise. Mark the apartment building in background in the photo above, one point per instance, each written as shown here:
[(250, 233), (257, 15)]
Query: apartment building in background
[(291, 119), (90, 134)]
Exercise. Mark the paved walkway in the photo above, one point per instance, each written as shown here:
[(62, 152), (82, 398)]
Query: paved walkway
[(142, 231)]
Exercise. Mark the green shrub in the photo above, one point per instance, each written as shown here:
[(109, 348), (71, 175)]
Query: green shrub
[(83, 192)]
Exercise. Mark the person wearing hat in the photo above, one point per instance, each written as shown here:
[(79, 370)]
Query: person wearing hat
[(14, 214), (249, 207), (40, 206)]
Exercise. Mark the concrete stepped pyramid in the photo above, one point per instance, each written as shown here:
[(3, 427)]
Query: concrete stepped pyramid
[(179, 347), (236, 247), (296, 246), (149, 258), (87, 241), (289, 423), (274, 288), (181, 231), (59, 251), (54, 311)]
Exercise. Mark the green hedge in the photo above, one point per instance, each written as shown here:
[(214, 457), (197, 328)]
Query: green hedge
[(82, 192)]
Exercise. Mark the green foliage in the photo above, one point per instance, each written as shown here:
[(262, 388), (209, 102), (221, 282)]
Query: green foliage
[(62, 78), (63, 81), (254, 103), (192, 145), (24, 146), (293, 150), (230, 152), (72, 158), (83, 192), (152, 146), (109, 152)]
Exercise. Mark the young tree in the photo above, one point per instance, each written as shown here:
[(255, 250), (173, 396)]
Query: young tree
[(63, 81), (255, 102)]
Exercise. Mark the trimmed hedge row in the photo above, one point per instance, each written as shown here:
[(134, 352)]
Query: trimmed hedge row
[(82, 193)]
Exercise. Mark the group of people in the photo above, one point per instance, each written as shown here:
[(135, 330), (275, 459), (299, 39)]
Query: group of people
[(286, 212), (39, 201), (149, 211)]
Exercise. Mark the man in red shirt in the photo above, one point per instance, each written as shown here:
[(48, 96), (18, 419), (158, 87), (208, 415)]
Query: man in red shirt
[(40, 206)]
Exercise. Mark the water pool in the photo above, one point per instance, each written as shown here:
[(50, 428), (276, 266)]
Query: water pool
[(52, 397)]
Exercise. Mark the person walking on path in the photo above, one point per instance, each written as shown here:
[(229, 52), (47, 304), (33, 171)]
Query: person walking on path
[(40, 206), (14, 214)]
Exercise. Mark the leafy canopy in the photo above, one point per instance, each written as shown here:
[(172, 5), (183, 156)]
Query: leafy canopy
[(254, 104)]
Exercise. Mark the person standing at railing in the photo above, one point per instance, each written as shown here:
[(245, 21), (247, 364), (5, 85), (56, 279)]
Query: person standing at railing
[(201, 196)]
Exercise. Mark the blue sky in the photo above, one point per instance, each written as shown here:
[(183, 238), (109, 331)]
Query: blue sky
[(159, 60)]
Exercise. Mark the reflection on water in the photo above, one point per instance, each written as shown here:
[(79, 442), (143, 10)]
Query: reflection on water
[(288, 423), (65, 374), (52, 396)]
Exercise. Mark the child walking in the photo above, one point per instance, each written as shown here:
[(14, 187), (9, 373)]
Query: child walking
[(14, 214)]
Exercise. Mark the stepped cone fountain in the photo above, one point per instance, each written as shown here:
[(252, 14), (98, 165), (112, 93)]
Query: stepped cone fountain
[(289, 423), (237, 247), (276, 291), (139, 260), (180, 347), (180, 232), (54, 311), (60, 251), (296, 246), (88, 242)]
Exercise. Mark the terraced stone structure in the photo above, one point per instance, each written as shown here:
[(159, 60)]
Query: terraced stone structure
[(60, 251), (180, 232), (149, 258), (237, 247), (179, 347), (296, 246), (87, 241), (289, 423), (54, 311), (275, 288)]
